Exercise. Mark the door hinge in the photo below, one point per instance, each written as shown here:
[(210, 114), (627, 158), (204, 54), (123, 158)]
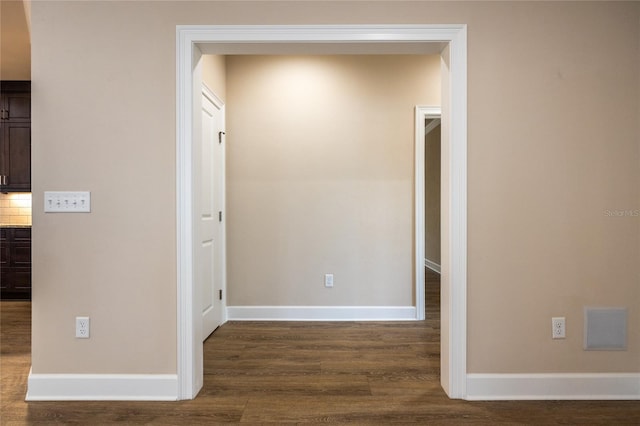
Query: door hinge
[(220, 294), (219, 216), (220, 136)]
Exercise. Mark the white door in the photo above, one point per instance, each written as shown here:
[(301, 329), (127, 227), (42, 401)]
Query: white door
[(210, 211)]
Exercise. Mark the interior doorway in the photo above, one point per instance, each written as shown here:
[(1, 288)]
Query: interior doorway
[(427, 118), (432, 181), (450, 41)]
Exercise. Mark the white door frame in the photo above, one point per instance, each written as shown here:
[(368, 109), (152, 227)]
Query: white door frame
[(189, 370), (421, 113)]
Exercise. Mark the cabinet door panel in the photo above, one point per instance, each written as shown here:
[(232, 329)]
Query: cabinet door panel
[(4, 256), (22, 234), (21, 279), (4, 279), (15, 273), (5, 252), (21, 254), (4, 149), (17, 153), (18, 106)]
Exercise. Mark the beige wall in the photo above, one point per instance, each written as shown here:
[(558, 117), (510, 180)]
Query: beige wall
[(15, 49), (541, 178), (214, 74), (554, 100), (432, 195), (320, 177)]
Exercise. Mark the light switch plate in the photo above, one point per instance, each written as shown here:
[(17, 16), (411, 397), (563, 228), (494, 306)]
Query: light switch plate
[(67, 202)]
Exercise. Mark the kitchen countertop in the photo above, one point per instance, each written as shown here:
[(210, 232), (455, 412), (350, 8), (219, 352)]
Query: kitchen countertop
[(7, 225)]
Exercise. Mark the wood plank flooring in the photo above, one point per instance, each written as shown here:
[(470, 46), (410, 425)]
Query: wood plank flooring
[(294, 372)]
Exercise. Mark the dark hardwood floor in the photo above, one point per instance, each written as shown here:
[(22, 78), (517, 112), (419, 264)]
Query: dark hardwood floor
[(294, 372)]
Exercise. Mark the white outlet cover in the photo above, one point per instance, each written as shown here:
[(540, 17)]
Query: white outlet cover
[(83, 327), (558, 327), (328, 280)]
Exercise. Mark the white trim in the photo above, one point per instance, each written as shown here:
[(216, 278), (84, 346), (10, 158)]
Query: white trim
[(212, 97), (421, 112), (458, 215), (187, 340), (575, 386), (187, 37), (432, 265), (321, 313), (102, 387)]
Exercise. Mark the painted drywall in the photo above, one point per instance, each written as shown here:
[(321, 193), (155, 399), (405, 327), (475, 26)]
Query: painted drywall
[(117, 264), (542, 175), (432, 195), (320, 177), (15, 47), (214, 74), (553, 103)]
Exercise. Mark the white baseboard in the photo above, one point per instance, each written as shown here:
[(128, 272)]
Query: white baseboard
[(321, 313), (102, 387), (432, 265), (576, 386)]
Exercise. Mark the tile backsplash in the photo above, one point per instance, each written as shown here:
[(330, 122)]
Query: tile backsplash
[(15, 208)]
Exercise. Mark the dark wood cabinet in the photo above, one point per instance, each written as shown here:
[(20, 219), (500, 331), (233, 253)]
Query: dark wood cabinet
[(4, 259), (15, 136), (15, 263)]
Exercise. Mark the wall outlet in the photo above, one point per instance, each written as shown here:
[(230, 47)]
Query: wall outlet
[(328, 280), (82, 327), (558, 328)]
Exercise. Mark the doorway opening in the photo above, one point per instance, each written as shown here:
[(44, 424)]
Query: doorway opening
[(432, 182), (427, 118), (449, 41)]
